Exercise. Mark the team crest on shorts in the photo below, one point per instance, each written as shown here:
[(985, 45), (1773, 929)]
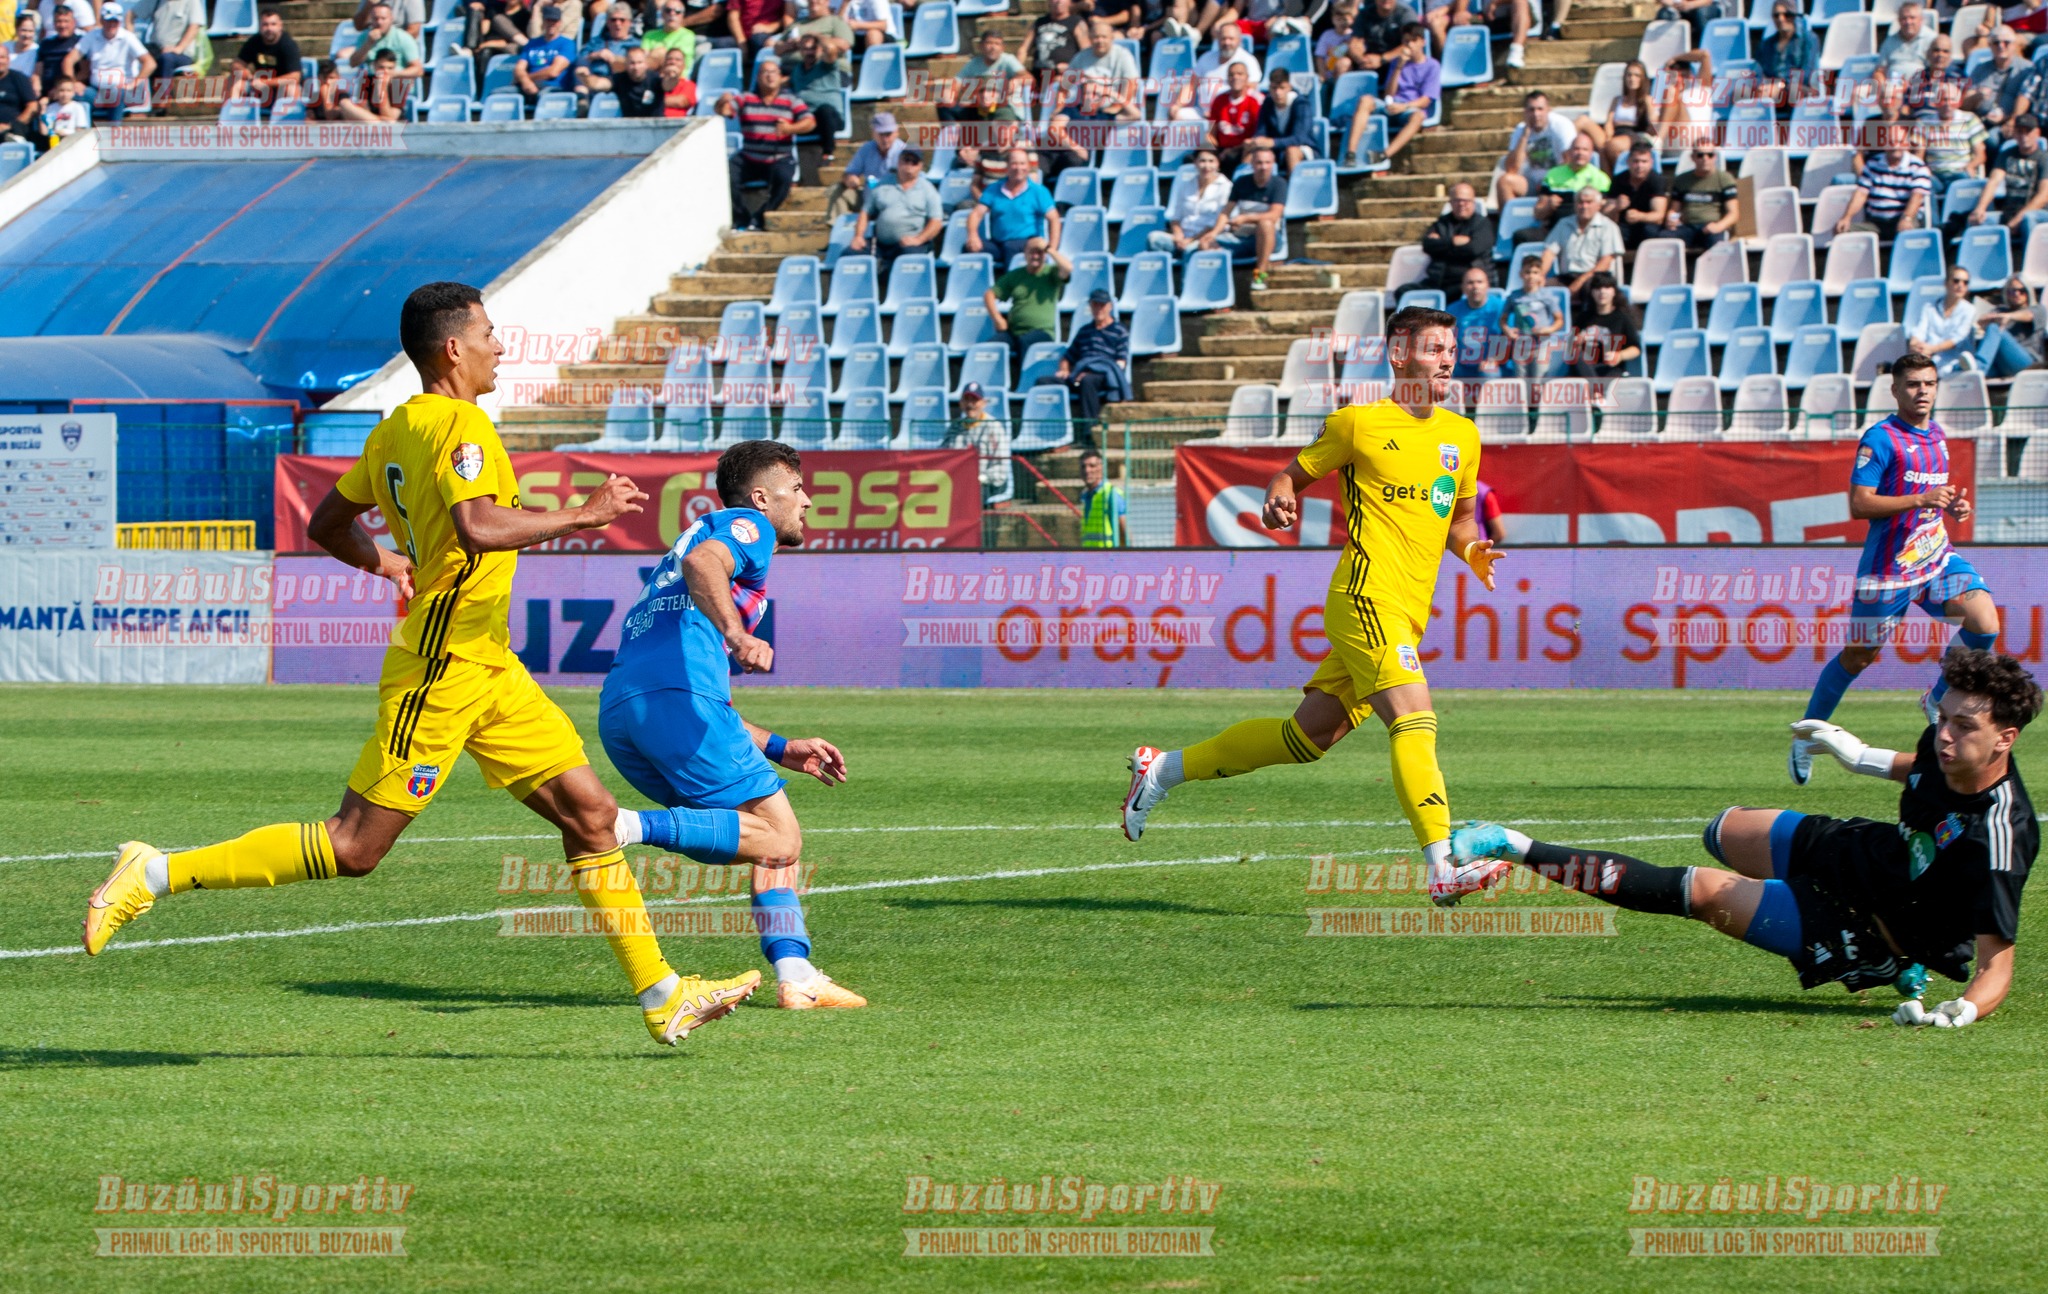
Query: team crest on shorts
[(1448, 456), (468, 460), (423, 778), (1950, 831), (1409, 660), (745, 531)]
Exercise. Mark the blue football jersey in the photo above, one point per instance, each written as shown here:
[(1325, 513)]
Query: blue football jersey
[(1897, 458), (666, 641)]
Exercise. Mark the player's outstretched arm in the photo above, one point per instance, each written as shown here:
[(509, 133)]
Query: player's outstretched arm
[(813, 755), (1470, 543), (1987, 988), (333, 527), (486, 526), (1853, 753), (708, 573)]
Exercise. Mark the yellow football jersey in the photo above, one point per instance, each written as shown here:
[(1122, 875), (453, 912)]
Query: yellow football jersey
[(432, 453), (1402, 478)]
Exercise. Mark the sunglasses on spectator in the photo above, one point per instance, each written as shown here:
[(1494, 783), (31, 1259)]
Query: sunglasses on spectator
[(2001, 42)]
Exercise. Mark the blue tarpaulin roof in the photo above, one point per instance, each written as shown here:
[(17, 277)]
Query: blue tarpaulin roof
[(302, 264), (49, 370)]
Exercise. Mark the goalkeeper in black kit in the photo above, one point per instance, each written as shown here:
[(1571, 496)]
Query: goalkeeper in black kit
[(1850, 900)]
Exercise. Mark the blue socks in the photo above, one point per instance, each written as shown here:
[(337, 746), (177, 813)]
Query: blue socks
[(1971, 641), (1827, 692), (780, 919), (705, 835)]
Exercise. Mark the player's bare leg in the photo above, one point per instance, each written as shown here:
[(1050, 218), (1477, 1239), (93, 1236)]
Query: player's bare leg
[(671, 1004), (1318, 723)]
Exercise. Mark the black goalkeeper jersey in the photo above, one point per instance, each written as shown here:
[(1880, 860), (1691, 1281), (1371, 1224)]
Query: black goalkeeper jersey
[(1951, 868)]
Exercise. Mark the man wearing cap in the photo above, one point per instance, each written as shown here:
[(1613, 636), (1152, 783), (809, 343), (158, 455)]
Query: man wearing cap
[(875, 161), (1097, 365), (1033, 293), (546, 63), (382, 34), (903, 218), (987, 435), (114, 61)]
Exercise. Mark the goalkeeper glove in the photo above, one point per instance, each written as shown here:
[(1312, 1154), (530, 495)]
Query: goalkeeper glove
[(1949, 1015), (1849, 750)]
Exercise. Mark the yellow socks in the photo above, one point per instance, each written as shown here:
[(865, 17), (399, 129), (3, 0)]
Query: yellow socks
[(1411, 742), (273, 855), (1242, 747), (603, 881)]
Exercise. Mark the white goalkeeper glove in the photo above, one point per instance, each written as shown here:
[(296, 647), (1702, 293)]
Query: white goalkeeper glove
[(1949, 1015), (1849, 750)]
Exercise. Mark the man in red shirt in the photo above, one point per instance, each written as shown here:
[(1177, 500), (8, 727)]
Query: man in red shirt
[(757, 23), (1233, 116), (769, 121)]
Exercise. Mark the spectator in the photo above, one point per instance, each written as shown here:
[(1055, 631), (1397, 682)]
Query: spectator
[(120, 67), (847, 198), (175, 28), (1687, 112), (1459, 241), (1577, 170), (1528, 322), (1192, 220), (1708, 201), (1587, 244), (82, 13), (18, 103), (770, 122), (1097, 365), (2018, 167), (989, 437), (755, 25), (818, 20), (1952, 144), (27, 36), (1903, 55), (637, 86), (1697, 14), (1941, 70), (1942, 330), (1538, 142), (1632, 111), (1491, 513), (410, 15), (327, 101), (1416, 82), (1055, 39), (2013, 328), (498, 27), (1010, 214), (875, 161), (872, 22), (1110, 87), (1257, 214), (1478, 314), (1606, 339), (678, 92), (675, 32), (54, 52), (64, 113), (1057, 151), (605, 57), (1892, 188), (1509, 18), (1638, 198), (992, 87), (1104, 510), (548, 63), (1376, 33), (904, 218), (1032, 291), (1211, 75), (819, 79), (1788, 58), (268, 66), (1333, 46), (1286, 121), (2003, 89), (384, 91), (382, 34), (1233, 118), (1177, 24)]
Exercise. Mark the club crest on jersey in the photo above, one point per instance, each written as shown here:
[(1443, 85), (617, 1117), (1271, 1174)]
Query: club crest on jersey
[(423, 778), (1448, 456), (1409, 660), (467, 460), (1949, 832), (745, 531), (1863, 456)]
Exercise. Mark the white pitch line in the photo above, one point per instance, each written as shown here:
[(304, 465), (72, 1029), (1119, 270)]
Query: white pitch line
[(349, 927)]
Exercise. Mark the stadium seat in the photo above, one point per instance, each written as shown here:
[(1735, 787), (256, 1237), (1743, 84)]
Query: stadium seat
[(1963, 403), (1078, 186), (813, 370), (1133, 236), (1308, 363), (859, 323), (741, 329), (1119, 160), (1630, 410), (686, 415), (1828, 210), (2026, 404), (1777, 215), (1564, 411), (1916, 254), (1659, 262), (1762, 408), (1149, 274), (1827, 407), (1879, 344), (1721, 264), (1502, 410), (1364, 363), (1607, 79), (1408, 265), (290, 110), (1693, 411), (1083, 230), (798, 334), (1155, 327), (497, 75), (1040, 361), (1815, 351), (1046, 421), (2034, 270), (882, 74), (1422, 298), (1767, 168), (966, 280), (987, 363), (449, 112), (1852, 258), (1516, 214), (1986, 252), (604, 106), (926, 365), (555, 105), (1663, 40), (719, 71), (1738, 306), (916, 324), (804, 422), (864, 368), (1749, 352), (1788, 258), (934, 29), (1173, 57), (1254, 416), (1374, 140), (1815, 126), (1671, 306), (1311, 192), (1960, 197), (1817, 176), (1749, 124), (1684, 354), (1726, 39), (911, 279), (1799, 305), (1467, 57), (502, 107), (1207, 283), (1926, 291), (796, 284), (1306, 411), (629, 421), (1864, 302), (1849, 35), (982, 8), (853, 281), (927, 420), (864, 421), (1360, 313), (241, 112), (1132, 190), (233, 18)]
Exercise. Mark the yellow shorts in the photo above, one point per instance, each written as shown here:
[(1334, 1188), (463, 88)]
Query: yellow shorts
[(430, 711), (1372, 648)]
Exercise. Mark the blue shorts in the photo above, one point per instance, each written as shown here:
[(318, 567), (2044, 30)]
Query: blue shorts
[(684, 750), (1874, 613)]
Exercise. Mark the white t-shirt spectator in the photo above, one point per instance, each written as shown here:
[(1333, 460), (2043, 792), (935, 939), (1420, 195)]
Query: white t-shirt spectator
[(1195, 212), (121, 56), (1548, 148), (1902, 58), (1931, 325), (872, 11), (63, 120)]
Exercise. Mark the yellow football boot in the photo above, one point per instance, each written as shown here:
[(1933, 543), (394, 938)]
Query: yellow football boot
[(697, 1001), (820, 992), (121, 898)]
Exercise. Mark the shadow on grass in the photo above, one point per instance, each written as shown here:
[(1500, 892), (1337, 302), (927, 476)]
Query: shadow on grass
[(447, 1001), (91, 1058), (34, 1058), (1076, 904), (1639, 1004)]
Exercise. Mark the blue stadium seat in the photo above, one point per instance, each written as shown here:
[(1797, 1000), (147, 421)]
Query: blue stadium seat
[(799, 331), (1155, 327), (504, 107), (1046, 422), (1798, 305), (742, 327), (911, 278), (1751, 124), (955, 244), (926, 365), (1684, 354), (1468, 57), (1727, 39), (1737, 305), (859, 324), (1959, 198), (1348, 90), (934, 29), (1090, 272), (455, 78), (1135, 188), (1426, 298), (1814, 351), (838, 240), (1749, 353), (955, 189), (864, 421), (290, 111), (927, 419), (1374, 140), (1042, 360), (864, 368), (969, 277), (686, 420), (1078, 186), (917, 323), (853, 280), (1138, 227), (1312, 189), (1916, 254), (1171, 58), (805, 422), (1206, 283), (1120, 158), (233, 18), (1293, 51), (497, 74), (604, 106), (1926, 290), (1150, 274), (441, 12), (980, 8), (796, 284), (987, 363), (1517, 214), (971, 327), (241, 112), (629, 420), (1085, 229), (882, 74), (1814, 125), (555, 105), (718, 72), (813, 374), (1864, 302), (1671, 306), (1986, 252), (449, 112)]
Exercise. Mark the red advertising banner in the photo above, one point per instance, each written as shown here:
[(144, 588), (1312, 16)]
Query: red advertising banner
[(859, 500), (1745, 492)]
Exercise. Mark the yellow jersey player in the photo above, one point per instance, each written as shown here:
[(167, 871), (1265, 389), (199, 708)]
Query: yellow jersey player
[(1410, 473), (450, 683)]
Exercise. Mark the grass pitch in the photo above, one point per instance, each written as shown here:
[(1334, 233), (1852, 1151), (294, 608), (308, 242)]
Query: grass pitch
[(1379, 1113)]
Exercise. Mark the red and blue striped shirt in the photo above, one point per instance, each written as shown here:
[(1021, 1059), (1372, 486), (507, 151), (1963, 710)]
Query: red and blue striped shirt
[(1896, 458)]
